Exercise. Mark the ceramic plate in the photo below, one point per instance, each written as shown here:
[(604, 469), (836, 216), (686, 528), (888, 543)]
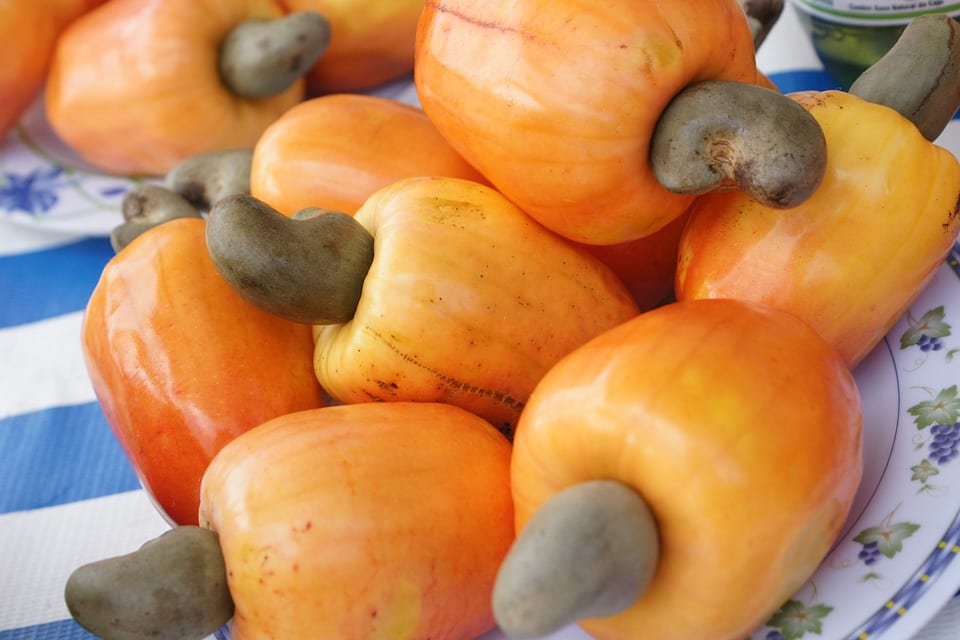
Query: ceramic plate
[(44, 184)]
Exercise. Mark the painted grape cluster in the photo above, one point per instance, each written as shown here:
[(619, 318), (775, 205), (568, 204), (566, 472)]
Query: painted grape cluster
[(939, 417), (945, 444)]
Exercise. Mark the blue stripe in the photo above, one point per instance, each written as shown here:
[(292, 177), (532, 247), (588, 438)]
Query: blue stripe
[(70, 630), (60, 630), (803, 80), (49, 458), (809, 80), (51, 282)]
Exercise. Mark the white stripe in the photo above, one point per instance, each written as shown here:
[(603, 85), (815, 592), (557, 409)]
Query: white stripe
[(43, 365), (18, 238), (41, 548)]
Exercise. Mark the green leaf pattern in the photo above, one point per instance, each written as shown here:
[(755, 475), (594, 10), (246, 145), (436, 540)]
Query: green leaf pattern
[(923, 471), (930, 324), (944, 408), (889, 538), (795, 619)]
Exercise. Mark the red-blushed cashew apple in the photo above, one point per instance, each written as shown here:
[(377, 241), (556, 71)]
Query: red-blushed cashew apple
[(181, 364)]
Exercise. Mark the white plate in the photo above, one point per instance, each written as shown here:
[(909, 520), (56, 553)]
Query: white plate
[(44, 184)]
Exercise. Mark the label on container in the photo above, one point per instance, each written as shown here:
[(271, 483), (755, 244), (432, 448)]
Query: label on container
[(877, 12)]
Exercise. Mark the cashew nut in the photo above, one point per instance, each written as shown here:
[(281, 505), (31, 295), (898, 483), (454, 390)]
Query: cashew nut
[(205, 178), (919, 77), (145, 206), (761, 16), (589, 551), (173, 588), (308, 270), (716, 134), (262, 58)]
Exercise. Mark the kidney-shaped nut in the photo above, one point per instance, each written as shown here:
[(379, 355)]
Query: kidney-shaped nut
[(919, 77), (762, 15), (173, 588), (308, 270), (590, 551), (262, 58), (719, 134), (145, 206)]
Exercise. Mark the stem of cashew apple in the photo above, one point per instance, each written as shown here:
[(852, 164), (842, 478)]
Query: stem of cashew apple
[(309, 270), (718, 133), (262, 58), (173, 588), (206, 177), (589, 551), (919, 77)]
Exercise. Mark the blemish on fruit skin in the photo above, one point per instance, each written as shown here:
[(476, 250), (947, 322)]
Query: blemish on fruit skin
[(439, 7), (453, 383), (305, 527), (952, 216)]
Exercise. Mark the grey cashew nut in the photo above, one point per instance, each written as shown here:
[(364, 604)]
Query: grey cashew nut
[(589, 551), (717, 134), (919, 77), (262, 58), (207, 177), (145, 206), (308, 270), (762, 15), (173, 588)]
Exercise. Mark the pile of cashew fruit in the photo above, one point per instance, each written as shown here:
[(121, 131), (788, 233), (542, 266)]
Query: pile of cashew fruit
[(571, 343)]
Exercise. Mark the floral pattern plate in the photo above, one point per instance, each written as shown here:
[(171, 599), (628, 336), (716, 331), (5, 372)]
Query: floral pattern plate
[(45, 184), (897, 560)]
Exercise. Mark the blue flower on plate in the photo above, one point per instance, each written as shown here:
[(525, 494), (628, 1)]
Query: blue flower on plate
[(34, 192)]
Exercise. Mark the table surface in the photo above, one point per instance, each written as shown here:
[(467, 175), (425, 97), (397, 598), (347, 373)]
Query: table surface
[(67, 494)]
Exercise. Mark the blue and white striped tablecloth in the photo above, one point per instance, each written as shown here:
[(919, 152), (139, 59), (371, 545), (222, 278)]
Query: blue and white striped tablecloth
[(67, 494)]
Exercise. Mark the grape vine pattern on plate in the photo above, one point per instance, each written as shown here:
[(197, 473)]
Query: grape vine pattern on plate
[(882, 541), (938, 433), (937, 424), (946, 442), (927, 333), (795, 619)]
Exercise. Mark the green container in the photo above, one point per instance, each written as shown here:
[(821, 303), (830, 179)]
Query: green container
[(849, 36)]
